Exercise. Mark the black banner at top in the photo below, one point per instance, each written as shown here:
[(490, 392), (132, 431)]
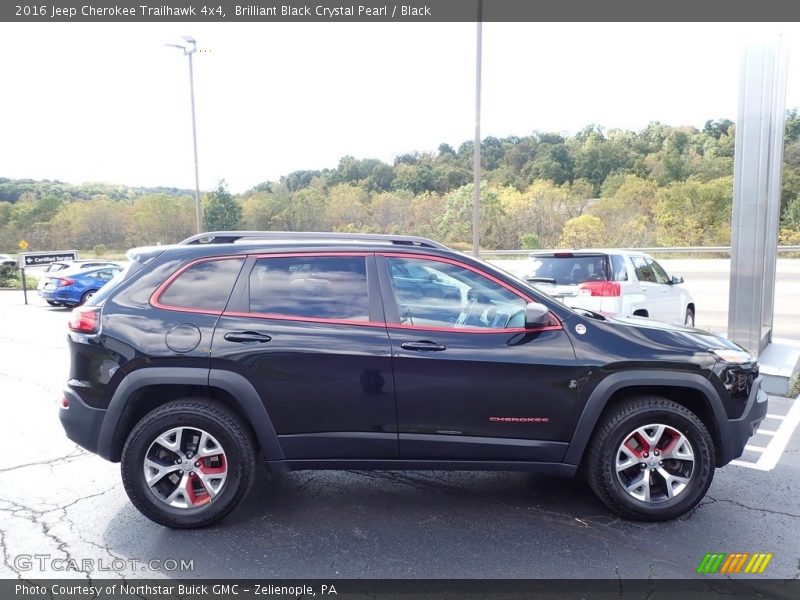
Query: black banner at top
[(406, 11)]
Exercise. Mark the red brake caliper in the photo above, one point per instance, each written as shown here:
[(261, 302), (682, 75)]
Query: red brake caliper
[(195, 484), (645, 447)]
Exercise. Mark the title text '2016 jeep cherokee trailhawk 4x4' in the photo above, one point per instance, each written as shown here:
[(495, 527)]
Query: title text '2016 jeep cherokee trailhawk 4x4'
[(337, 351)]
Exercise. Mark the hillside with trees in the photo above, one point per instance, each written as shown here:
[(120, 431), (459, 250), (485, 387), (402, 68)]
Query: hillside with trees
[(661, 186)]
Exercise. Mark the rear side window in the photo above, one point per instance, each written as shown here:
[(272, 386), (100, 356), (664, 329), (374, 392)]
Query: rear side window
[(570, 269), (311, 287), (205, 285), (620, 270)]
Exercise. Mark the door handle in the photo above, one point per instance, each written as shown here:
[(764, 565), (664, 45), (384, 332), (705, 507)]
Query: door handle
[(247, 337), (423, 346)]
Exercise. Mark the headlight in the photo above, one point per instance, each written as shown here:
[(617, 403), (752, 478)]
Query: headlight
[(736, 357)]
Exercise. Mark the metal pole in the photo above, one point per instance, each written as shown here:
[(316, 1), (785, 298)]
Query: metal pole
[(24, 286), (476, 167), (194, 142)]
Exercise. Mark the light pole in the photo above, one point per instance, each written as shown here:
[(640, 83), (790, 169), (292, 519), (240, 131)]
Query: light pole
[(476, 166), (189, 49)]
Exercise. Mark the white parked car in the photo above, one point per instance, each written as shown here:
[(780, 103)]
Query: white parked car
[(620, 283)]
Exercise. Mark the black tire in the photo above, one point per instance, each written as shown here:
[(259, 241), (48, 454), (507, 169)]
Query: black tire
[(616, 426), (688, 320), (221, 423), (86, 296)]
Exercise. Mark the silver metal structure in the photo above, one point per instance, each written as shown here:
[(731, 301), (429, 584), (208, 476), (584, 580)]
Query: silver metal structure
[(756, 195)]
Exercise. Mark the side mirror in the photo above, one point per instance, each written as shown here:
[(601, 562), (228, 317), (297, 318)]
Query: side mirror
[(536, 315), (676, 279)]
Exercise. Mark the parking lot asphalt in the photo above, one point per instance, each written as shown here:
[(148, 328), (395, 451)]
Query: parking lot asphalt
[(59, 502)]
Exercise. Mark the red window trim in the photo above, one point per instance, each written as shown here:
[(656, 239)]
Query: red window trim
[(473, 329), (555, 326), (155, 297)]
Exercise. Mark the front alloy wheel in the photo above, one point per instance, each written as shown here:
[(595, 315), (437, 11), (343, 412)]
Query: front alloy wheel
[(650, 459), (655, 463)]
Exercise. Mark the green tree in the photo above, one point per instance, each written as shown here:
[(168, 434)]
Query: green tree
[(455, 224), (584, 231), (221, 211)]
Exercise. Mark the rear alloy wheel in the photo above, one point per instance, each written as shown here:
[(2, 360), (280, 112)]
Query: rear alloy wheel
[(87, 296), (188, 463), (651, 459), (689, 319)]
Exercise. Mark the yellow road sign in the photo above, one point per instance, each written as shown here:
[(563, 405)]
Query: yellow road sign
[(23, 245)]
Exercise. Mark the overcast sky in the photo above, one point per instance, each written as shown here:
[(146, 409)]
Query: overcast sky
[(109, 102)]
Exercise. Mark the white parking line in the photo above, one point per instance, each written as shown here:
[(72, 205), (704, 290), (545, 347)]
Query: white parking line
[(779, 417), (766, 432), (780, 438)]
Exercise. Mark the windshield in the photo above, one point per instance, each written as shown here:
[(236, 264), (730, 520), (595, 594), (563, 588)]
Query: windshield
[(569, 269)]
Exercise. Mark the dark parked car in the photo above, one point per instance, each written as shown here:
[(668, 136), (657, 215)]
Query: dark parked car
[(73, 287), (336, 351)]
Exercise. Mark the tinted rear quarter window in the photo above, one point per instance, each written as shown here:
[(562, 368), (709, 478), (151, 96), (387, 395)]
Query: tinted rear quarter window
[(205, 285), (311, 287)]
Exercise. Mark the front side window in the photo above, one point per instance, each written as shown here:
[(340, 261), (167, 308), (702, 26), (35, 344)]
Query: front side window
[(431, 293), (660, 273), (643, 270), (205, 285), (311, 287)]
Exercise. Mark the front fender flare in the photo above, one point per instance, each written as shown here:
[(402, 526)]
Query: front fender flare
[(599, 397)]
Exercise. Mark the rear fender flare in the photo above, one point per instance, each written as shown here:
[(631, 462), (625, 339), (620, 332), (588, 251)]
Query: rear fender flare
[(246, 397)]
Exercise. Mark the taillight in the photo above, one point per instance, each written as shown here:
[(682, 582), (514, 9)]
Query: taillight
[(600, 288), (65, 281), (85, 319)]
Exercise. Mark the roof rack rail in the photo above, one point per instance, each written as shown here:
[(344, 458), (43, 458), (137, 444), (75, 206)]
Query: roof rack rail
[(229, 237)]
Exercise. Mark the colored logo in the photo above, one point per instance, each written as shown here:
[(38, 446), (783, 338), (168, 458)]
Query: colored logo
[(735, 562)]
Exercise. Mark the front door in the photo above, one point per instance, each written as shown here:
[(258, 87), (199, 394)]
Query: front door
[(471, 383)]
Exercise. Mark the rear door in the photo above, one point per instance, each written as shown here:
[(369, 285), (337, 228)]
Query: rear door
[(307, 330), (471, 383)]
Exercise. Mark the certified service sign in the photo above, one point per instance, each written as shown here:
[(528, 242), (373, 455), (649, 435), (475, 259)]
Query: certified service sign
[(41, 259)]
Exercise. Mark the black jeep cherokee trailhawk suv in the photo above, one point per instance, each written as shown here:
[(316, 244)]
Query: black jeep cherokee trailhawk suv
[(337, 351)]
